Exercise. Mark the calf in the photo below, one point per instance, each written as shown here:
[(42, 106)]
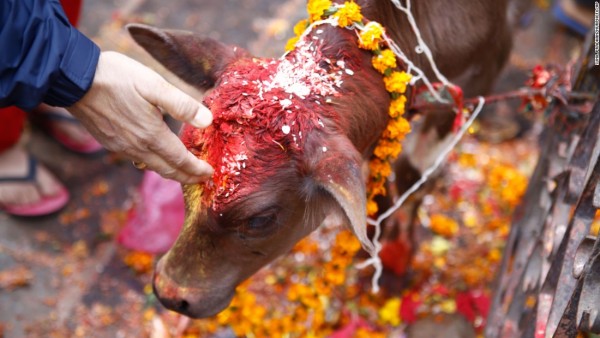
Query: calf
[(289, 136)]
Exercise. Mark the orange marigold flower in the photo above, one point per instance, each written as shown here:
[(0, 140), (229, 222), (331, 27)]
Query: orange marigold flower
[(306, 246), (316, 9), (362, 332), (397, 82), (370, 37), (322, 287), (397, 107), (443, 225), (384, 61), (335, 273), (595, 227), (377, 188), (140, 262), (297, 291), (388, 149), (508, 182), (377, 166), (348, 14), (346, 239), (372, 208)]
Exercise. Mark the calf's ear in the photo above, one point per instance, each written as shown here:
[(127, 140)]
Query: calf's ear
[(196, 60), (338, 170)]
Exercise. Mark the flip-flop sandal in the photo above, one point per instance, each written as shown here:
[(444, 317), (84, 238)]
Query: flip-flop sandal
[(46, 119), (45, 206)]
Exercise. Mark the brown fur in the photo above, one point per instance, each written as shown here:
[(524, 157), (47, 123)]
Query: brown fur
[(289, 197)]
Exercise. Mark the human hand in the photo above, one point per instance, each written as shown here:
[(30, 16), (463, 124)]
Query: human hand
[(121, 111)]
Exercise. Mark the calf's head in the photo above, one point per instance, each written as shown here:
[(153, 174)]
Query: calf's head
[(282, 164)]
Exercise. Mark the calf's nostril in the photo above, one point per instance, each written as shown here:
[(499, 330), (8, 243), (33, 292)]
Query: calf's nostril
[(182, 305)]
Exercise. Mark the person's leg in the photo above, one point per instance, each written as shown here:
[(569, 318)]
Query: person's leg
[(26, 188), (65, 129)]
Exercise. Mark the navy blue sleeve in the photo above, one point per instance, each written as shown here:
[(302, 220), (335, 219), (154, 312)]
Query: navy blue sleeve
[(42, 57)]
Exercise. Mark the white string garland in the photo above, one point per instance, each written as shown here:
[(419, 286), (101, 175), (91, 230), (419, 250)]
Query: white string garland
[(375, 261), (418, 75)]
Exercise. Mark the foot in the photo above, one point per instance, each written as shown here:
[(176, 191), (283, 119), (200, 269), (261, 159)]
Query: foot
[(14, 162), (62, 126)]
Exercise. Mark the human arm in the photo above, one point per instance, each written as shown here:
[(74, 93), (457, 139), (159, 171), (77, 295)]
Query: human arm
[(43, 58), (120, 110), (48, 60)]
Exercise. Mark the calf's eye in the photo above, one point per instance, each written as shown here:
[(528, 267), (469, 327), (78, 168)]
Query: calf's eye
[(260, 225)]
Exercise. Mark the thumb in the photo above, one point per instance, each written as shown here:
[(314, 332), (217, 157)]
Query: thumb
[(178, 104)]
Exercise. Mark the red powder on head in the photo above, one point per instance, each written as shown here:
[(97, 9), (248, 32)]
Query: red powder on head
[(262, 112)]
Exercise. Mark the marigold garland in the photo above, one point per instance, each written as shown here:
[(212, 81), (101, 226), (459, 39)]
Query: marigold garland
[(370, 37), (308, 313)]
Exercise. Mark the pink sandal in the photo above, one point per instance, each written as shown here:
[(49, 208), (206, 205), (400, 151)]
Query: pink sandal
[(45, 206), (47, 119)]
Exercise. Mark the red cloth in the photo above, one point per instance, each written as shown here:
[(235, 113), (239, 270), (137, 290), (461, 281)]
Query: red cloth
[(72, 9), (11, 125), (12, 119)]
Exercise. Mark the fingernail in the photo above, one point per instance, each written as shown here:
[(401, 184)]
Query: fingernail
[(203, 118)]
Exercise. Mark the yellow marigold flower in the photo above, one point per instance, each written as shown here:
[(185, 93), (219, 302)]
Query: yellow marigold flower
[(397, 82), (300, 27), (348, 14), (390, 312), (439, 246), (370, 37), (385, 60), (397, 107), (316, 9), (291, 44), (372, 208), (397, 129), (448, 306), (467, 160), (443, 225)]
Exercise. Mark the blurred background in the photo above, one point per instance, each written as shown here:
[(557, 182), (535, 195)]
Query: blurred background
[(65, 275)]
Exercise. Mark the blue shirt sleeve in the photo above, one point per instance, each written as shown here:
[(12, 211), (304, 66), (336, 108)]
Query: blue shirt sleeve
[(42, 57)]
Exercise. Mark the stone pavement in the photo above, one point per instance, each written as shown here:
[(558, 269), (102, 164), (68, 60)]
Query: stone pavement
[(75, 281), (71, 266)]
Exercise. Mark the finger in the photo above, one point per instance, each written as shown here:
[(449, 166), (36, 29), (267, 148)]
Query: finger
[(178, 104), (173, 152), (157, 164)]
